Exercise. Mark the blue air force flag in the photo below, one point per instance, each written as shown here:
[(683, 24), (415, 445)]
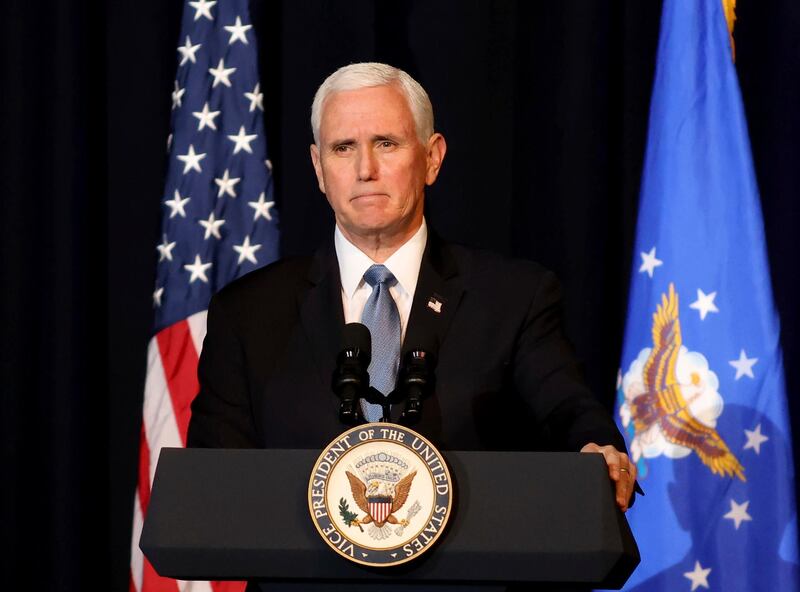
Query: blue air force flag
[(701, 395)]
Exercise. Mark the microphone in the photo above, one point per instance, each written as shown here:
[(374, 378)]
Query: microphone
[(416, 379), (350, 378)]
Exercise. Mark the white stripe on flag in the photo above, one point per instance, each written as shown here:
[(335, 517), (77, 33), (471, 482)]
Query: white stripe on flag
[(184, 586), (137, 558), (160, 426), (197, 327)]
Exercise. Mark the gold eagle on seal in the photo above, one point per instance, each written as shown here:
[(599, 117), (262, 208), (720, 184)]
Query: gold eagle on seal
[(364, 493), (663, 403)]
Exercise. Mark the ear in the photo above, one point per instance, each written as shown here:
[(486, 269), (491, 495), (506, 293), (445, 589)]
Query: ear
[(435, 151), (317, 162)]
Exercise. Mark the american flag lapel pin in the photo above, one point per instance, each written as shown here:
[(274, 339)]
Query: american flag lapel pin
[(435, 304)]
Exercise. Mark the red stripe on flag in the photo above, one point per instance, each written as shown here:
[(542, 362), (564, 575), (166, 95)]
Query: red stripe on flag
[(152, 582), (179, 358), (228, 586), (144, 471)]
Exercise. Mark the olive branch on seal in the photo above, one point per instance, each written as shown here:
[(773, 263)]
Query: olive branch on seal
[(349, 517)]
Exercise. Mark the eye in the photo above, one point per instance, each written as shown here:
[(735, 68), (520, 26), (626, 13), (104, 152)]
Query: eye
[(341, 148), (386, 144)]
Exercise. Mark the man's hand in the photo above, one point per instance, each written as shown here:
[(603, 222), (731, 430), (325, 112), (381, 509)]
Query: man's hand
[(620, 470)]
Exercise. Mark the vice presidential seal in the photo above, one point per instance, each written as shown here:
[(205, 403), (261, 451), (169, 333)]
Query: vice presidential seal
[(380, 494)]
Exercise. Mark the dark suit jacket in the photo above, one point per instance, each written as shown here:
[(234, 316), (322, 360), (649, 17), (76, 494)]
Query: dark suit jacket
[(506, 377)]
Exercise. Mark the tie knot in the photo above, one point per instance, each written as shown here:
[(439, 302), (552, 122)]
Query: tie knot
[(379, 274)]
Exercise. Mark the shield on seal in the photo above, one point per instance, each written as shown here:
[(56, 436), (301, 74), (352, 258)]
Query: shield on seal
[(380, 508)]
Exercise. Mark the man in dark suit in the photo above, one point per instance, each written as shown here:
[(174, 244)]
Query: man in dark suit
[(506, 377)]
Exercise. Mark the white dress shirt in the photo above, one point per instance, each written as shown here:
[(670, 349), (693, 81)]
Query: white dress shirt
[(404, 265)]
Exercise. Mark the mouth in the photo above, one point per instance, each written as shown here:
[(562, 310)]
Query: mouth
[(368, 196)]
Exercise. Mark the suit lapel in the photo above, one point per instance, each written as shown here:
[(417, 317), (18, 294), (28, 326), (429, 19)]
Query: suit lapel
[(436, 299), (321, 311)]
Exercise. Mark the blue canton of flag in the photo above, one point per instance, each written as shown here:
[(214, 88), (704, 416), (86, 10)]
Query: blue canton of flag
[(219, 222), (701, 392)]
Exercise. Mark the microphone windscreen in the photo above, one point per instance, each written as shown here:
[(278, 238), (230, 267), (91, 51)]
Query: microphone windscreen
[(356, 336), (426, 341)]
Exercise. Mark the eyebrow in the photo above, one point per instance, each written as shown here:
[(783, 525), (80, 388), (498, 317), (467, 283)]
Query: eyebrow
[(344, 142), (389, 137)]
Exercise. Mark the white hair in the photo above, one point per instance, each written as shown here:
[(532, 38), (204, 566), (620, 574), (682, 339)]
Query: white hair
[(370, 74)]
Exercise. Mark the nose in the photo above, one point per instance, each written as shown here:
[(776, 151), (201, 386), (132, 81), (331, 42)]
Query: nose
[(367, 165)]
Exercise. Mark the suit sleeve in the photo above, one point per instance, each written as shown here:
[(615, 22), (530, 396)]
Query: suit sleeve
[(222, 415), (547, 374)]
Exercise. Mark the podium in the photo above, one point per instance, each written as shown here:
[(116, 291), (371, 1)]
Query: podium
[(519, 517)]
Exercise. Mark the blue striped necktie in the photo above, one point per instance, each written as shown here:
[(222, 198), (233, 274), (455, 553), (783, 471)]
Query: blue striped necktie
[(383, 321)]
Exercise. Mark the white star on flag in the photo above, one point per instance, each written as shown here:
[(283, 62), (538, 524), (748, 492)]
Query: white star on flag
[(187, 51), (191, 160), (176, 95), (242, 141), (649, 262), (261, 207), (699, 576), (206, 118), (256, 98), (198, 270), (238, 31), (704, 303), (203, 8), (226, 184), (755, 439), (221, 74), (212, 226), (165, 248), (738, 513), (176, 205), (157, 296), (246, 251), (744, 365)]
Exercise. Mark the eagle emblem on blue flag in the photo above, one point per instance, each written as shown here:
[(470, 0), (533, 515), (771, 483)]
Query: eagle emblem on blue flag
[(672, 399)]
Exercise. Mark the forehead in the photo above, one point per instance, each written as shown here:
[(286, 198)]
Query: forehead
[(373, 110)]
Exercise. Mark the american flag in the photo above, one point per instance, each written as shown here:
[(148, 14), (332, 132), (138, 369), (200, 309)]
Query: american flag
[(218, 224)]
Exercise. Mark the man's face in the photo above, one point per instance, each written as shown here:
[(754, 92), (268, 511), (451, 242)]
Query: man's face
[(371, 165)]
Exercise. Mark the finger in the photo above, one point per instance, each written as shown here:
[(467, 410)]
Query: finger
[(632, 472), (626, 483), (614, 461), (619, 470), (621, 487), (622, 494)]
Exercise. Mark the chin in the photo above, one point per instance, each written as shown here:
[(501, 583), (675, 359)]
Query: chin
[(373, 221), (365, 228)]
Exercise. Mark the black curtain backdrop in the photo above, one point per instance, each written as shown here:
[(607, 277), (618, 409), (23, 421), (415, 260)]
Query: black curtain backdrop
[(544, 106)]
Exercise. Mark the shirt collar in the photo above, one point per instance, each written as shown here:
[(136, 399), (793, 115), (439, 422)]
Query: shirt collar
[(404, 263)]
